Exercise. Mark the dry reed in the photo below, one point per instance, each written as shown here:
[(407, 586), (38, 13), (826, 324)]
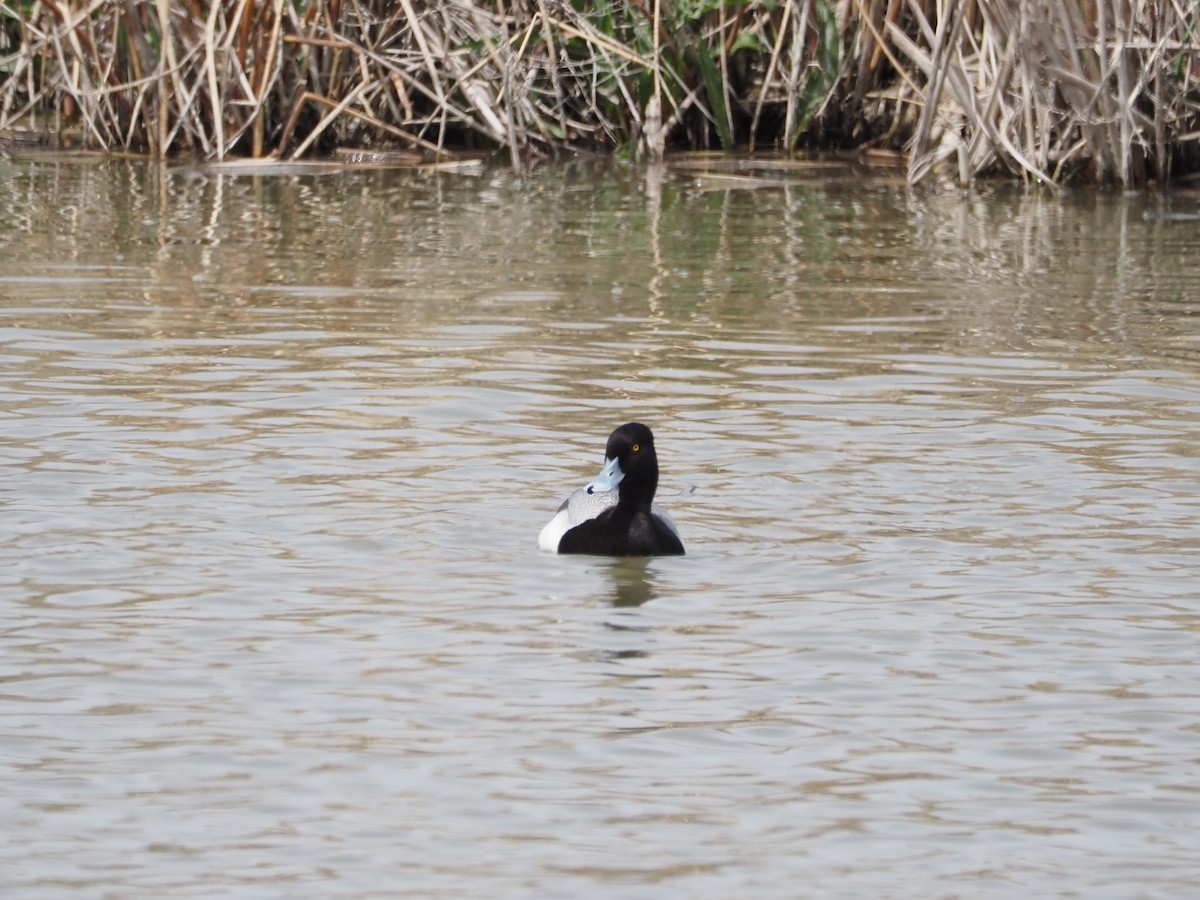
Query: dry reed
[(1095, 89), (1107, 89)]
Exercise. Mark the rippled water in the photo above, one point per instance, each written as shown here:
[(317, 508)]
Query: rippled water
[(275, 453)]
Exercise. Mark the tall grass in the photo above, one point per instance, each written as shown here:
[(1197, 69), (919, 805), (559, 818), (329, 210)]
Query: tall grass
[(1054, 91)]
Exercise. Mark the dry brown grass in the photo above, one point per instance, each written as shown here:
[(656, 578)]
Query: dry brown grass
[(1087, 89)]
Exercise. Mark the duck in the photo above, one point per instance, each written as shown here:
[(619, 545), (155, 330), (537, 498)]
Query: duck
[(616, 515)]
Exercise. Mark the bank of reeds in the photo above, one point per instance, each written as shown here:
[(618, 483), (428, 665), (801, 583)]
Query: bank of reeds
[(1105, 90)]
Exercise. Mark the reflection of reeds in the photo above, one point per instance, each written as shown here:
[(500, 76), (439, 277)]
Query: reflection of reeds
[(1053, 90)]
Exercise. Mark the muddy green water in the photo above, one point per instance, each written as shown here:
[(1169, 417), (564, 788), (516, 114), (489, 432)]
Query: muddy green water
[(275, 451)]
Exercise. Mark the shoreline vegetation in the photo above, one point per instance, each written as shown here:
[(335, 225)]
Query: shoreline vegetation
[(1048, 91)]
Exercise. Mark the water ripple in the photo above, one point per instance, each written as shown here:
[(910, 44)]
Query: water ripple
[(274, 621)]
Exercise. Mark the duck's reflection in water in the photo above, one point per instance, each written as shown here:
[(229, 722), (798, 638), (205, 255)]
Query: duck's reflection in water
[(632, 581)]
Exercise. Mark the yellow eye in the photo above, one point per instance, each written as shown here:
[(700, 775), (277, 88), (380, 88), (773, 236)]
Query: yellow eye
[(636, 447)]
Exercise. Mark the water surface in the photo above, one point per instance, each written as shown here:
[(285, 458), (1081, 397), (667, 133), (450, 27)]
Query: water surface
[(274, 453)]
